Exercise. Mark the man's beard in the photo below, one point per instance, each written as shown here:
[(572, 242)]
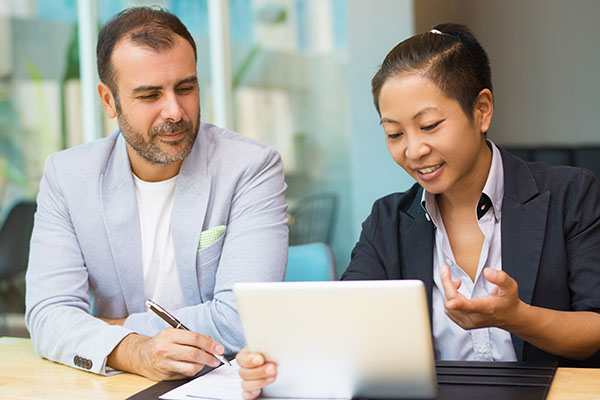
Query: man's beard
[(149, 146)]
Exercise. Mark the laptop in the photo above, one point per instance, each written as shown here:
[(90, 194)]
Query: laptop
[(369, 339)]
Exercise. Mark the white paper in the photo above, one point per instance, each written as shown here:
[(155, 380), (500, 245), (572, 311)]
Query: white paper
[(223, 383)]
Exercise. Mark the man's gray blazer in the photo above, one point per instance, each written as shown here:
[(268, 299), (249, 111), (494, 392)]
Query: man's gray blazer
[(86, 239)]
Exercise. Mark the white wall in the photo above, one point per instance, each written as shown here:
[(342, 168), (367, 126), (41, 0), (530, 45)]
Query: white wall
[(374, 28), (545, 57)]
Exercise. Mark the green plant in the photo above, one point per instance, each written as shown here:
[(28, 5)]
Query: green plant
[(270, 15)]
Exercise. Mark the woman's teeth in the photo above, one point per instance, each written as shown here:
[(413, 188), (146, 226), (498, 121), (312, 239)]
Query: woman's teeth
[(429, 170)]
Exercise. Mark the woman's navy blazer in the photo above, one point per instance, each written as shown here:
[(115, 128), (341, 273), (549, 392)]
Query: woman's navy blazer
[(550, 225)]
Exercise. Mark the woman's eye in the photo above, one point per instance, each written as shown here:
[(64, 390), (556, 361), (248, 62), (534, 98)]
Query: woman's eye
[(431, 127), (394, 136)]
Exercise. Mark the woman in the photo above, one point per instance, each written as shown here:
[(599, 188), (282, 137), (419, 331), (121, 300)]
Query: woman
[(509, 251)]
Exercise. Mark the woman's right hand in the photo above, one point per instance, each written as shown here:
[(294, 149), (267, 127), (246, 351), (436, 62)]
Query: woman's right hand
[(255, 373)]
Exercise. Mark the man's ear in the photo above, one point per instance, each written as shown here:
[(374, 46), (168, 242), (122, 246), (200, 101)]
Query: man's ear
[(107, 99), (484, 109)]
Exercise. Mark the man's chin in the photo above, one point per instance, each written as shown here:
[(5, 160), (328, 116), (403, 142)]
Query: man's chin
[(166, 150), (170, 155), (165, 159)]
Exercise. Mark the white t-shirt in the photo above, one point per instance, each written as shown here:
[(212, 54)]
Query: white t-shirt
[(161, 279)]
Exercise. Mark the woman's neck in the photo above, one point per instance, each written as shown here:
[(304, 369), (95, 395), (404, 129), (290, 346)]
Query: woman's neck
[(466, 194)]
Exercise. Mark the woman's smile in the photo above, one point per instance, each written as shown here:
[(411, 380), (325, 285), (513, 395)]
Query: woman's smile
[(428, 173)]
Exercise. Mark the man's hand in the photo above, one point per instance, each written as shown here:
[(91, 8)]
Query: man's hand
[(255, 373), (502, 308), (171, 354)]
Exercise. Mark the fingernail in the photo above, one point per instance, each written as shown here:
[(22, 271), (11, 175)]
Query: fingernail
[(255, 392), (270, 380), (220, 349), (270, 370), (256, 360)]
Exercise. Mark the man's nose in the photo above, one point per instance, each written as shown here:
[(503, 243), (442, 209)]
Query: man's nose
[(172, 110)]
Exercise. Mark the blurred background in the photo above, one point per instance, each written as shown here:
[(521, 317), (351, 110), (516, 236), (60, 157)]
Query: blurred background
[(295, 74)]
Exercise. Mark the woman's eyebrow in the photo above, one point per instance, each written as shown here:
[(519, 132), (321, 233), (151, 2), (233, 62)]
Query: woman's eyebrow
[(416, 116), (387, 120), (423, 111)]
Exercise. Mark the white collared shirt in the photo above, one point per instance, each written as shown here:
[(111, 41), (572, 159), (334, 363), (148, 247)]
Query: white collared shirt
[(451, 342)]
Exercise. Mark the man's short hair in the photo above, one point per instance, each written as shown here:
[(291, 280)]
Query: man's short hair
[(152, 27)]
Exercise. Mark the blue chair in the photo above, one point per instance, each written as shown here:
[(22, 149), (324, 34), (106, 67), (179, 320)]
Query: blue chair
[(310, 262)]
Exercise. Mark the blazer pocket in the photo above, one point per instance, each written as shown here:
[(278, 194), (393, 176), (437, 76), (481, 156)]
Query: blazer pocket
[(207, 262)]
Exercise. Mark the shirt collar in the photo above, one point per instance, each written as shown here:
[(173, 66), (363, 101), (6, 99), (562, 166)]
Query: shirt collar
[(494, 186), (491, 196)]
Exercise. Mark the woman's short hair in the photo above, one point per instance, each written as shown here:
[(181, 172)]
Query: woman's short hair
[(449, 56)]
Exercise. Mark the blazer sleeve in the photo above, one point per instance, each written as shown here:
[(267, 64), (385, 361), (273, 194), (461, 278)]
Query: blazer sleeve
[(254, 249), (582, 227), (365, 263), (57, 301)]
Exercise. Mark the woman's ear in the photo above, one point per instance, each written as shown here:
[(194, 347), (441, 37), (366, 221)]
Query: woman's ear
[(107, 99), (483, 110)]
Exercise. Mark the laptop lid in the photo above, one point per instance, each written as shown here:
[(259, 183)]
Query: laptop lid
[(341, 339)]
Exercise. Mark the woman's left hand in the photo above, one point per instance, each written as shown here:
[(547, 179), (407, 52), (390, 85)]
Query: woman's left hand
[(502, 308)]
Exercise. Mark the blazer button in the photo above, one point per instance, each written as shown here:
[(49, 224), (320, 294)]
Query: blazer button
[(88, 364), (77, 360)]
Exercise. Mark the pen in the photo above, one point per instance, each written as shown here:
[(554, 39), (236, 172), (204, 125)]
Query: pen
[(175, 323)]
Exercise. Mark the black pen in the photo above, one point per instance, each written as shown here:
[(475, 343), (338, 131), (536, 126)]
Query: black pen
[(175, 323)]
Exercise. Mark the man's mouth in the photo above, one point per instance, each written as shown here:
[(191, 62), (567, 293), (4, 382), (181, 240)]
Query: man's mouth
[(168, 134), (172, 137)]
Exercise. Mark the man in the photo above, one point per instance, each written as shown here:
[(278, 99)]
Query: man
[(166, 208)]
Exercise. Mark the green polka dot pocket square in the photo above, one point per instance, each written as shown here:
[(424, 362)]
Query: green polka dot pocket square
[(210, 236)]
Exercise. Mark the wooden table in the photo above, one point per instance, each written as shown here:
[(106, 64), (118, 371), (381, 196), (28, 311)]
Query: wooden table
[(575, 384), (23, 375)]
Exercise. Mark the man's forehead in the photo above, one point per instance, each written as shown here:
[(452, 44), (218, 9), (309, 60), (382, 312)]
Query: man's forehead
[(133, 59)]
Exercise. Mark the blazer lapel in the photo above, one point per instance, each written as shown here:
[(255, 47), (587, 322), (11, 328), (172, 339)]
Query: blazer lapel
[(416, 232), (524, 215), (121, 219), (187, 218)]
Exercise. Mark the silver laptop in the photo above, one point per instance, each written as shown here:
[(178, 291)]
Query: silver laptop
[(341, 339)]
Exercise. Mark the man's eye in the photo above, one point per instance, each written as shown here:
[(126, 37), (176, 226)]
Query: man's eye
[(148, 96), (431, 127), (186, 89)]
